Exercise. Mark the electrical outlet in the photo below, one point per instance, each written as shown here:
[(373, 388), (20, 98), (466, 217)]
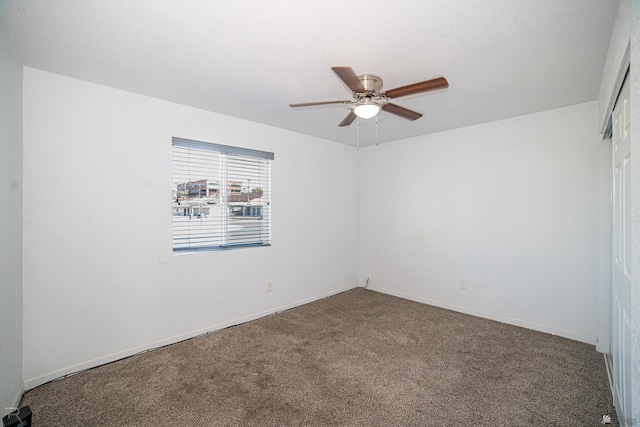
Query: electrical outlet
[(270, 286), (463, 284)]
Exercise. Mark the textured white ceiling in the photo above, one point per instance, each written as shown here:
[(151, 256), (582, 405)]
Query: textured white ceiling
[(250, 59)]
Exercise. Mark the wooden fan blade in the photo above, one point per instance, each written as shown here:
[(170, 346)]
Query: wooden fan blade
[(417, 87), (349, 77), (308, 104), (401, 111), (348, 120)]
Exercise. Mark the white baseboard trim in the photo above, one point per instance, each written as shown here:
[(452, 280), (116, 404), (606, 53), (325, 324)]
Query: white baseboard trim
[(576, 336), (88, 364), (15, 401)]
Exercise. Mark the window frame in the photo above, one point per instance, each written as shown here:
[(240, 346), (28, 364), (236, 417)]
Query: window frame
[(259, 213)]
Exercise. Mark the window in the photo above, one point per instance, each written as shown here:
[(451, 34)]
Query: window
[(221, 196)]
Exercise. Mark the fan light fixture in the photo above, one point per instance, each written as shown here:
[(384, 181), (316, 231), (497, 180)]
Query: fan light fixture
[(366, 110)]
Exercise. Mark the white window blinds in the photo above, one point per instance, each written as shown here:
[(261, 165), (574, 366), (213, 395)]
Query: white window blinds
[(221, 196)]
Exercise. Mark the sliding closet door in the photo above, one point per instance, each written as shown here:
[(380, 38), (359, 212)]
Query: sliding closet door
[(621, 293)]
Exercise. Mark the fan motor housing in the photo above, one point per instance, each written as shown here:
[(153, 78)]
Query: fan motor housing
[(371, 82)]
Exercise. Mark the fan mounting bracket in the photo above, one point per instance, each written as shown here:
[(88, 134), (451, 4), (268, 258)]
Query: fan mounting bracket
[(370, 82), (373, 86)]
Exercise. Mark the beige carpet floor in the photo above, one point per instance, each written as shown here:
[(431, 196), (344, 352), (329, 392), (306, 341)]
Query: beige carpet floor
[(360, 358)]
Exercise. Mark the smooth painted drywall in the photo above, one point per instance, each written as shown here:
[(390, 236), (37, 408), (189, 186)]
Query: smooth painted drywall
[(10, 230), (100, 280), (624, 51), (510, 206), (616, 63)]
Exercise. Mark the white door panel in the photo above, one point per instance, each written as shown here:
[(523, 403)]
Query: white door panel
[(621, 292)]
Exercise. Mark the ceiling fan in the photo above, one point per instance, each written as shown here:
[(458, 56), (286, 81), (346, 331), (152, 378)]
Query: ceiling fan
[(369, 98)]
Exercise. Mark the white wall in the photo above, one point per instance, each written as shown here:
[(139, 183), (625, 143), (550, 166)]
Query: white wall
[(616, 62), (100, 281), (10, 230), (509, 206)]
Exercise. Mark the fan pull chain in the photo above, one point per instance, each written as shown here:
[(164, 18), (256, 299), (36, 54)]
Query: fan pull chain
[(358, 133), (376, 131)]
